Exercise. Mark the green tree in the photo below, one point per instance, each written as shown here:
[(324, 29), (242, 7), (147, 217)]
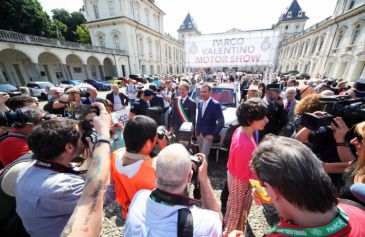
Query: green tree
[(71, 20), (25, 16), (83, 34), (58, 30)]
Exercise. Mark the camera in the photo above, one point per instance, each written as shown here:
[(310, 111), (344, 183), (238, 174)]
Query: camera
[(314, 121), (9, 118)]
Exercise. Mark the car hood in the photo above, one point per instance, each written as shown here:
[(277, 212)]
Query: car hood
[(229, 114), (106, 83)]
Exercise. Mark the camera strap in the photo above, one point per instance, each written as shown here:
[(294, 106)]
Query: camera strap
[(170, 199), (46, 164)]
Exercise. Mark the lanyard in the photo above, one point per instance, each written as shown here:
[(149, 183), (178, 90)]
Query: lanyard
[(336, 225), (56, 167)]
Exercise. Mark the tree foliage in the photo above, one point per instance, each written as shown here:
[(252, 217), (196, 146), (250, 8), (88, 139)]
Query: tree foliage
[(25, 16), (71, 20), (28, 16), (83, 33)]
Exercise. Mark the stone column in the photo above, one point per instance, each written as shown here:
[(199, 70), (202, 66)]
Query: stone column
[(101, 68), (86, 73), (65, 72)]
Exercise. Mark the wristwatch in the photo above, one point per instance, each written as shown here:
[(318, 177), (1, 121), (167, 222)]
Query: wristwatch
[(103, 140)]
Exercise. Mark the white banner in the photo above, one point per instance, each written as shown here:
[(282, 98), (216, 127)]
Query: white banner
[(249, 48), (120, 116)]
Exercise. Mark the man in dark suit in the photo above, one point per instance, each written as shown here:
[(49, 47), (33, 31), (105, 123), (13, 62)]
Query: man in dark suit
[(183, 109), (157, 105), (119, 99), (92, 95), (210, 120), (276, 112)]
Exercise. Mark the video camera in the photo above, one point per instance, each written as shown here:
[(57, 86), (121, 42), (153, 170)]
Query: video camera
[(19, 117)]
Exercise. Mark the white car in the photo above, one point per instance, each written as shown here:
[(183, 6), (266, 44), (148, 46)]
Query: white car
[(228, 96), (38, 88)]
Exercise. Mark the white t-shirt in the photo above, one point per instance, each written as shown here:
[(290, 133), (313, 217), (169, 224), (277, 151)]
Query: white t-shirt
[(117, 103), (149, 218)]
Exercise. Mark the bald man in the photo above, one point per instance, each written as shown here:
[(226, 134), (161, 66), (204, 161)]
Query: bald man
[(119, 99)]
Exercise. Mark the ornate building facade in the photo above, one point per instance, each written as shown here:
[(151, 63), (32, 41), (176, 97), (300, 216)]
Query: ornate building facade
[(334, 47), (136, 27)]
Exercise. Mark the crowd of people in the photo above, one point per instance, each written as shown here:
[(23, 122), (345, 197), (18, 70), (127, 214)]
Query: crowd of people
[(302, 141)]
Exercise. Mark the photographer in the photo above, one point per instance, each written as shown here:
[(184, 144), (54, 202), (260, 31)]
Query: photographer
[(13, 145), (48, 189), (330, 146), (167, 210)]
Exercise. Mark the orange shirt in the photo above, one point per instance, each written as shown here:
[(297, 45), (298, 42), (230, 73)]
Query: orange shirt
[(131, 178)]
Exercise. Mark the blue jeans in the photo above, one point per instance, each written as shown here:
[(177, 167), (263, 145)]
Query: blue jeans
[(358, 190)]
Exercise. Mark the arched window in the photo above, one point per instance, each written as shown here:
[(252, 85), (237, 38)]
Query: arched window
[(300, 14), (314, 46), (289, 14), (355, 34), (321, 43), (147, 16), (101, 39), (136, 11), (116, 40), (339, 38), (157, 48), (149, 47)]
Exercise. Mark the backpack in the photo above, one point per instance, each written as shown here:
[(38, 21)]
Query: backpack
[(10, 222)]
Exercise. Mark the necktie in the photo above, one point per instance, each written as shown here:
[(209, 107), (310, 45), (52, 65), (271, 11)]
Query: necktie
[(287, 106)]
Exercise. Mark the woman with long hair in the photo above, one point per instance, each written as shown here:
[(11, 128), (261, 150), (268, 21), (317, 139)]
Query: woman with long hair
[(251, 116)]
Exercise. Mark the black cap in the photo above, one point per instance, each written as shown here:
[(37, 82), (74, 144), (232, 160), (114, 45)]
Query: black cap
[(148, 92), (359, 87), (274, 86)]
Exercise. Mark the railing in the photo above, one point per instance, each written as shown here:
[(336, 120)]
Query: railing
[(10, 36)]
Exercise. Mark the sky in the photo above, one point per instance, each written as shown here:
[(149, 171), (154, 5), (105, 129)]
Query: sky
[(214, 16)]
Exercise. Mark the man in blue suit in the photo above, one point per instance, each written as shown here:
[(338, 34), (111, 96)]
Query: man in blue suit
[(210, 119)]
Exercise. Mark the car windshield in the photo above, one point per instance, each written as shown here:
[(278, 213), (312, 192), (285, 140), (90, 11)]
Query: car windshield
[(43, 85), (76, 82), (7, 87), (225, 96)]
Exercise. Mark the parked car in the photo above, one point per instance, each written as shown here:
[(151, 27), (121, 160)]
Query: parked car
[(99, 85), (10, 89), (117, 81), (138, 78), (38, 88), (68, 83), (228, 96)]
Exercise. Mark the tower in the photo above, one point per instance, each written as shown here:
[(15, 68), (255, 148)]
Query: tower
[(292, 21), (188, 28)]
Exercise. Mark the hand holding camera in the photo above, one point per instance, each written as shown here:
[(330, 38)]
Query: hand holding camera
[(340, 129)]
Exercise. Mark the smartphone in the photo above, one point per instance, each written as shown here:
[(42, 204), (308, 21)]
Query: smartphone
[(260, 190)]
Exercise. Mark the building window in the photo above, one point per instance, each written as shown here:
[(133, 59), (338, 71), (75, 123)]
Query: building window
[(101, 40), (314, 46), (321, 43), (58, 71), (147, 16), (339, 38), (116, 41), (111, 7), (150, 47), (300, 14), (286, 27), (141, 46), (93, 71), (289, 14), (352, 3), (136, 11), (355, 34), (157, 49), (96, 11), (306, 47)]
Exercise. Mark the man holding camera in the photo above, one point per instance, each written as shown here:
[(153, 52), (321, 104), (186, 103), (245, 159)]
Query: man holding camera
[(48, 189), (168, 210)]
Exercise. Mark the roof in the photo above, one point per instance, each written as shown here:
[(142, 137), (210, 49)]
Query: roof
[(296, 13), (188, 24)]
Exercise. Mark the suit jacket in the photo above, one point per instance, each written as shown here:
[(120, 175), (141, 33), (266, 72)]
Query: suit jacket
[(277, 118), (212, 120), (190, 110), (290, 111), (123, 98), (157, 101), (87, 101)]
